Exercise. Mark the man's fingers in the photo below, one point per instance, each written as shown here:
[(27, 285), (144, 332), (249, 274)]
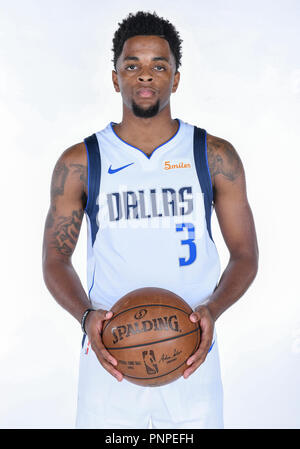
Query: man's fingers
[(201, 352), (94, 333), (95, 320), (206, 323), (206, 338), (198, 357), (99, 348), (104, 315), (107, 356), (193, 367), (106, 359), (111, 370), (195, 317)]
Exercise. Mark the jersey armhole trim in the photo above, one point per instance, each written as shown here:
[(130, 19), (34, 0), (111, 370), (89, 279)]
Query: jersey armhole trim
[(88, 187), (203, 173), (208, 170), (94, 179)]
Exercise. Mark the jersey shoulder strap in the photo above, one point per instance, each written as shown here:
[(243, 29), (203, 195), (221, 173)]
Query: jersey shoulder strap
[(94, 176), (202, 168)]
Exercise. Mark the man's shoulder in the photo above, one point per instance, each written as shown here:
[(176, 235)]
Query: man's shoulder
[(223, 158), (76, 153), (71, 169)]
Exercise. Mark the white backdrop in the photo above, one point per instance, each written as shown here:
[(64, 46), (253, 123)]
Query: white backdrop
[(240, 80)]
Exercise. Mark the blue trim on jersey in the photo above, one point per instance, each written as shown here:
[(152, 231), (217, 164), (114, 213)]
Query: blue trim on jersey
[(211, 186), (211, 346), (88, 161), (136, 148), (201, 163), (93, 281), (94, 176)]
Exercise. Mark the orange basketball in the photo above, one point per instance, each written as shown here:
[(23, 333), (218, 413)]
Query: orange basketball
[(151, 336)]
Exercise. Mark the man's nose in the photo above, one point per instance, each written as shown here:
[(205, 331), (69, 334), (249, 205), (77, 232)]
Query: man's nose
[(145, 76)]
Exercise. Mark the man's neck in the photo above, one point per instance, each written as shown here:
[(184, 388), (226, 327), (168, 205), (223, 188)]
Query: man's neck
[(146, 133)]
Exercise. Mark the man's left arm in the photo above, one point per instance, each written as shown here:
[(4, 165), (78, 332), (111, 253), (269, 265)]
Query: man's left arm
[(238, 230)]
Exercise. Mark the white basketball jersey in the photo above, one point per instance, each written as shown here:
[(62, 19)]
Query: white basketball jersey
[(148, 217)]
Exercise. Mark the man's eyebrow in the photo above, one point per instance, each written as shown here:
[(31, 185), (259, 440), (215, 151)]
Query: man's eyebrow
[(156, 58)]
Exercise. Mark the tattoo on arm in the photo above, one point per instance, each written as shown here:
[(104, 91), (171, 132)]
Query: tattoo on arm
[(69, 189), (223, 159), (66, 231), (82, 171), (59, 178), (60, 175)]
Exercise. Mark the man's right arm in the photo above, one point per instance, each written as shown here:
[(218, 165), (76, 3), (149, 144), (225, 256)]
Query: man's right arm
[(62, 227)]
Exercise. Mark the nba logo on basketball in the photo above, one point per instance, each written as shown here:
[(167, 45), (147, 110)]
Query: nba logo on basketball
[(149, 359)]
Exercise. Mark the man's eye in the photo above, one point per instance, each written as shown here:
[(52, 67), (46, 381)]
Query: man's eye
[(131, 67)]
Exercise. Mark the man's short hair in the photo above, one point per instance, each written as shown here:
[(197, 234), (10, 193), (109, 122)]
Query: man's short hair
[(146, 24)]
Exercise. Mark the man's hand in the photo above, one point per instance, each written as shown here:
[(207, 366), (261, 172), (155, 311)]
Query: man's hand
[(93, 326), (206, 322)]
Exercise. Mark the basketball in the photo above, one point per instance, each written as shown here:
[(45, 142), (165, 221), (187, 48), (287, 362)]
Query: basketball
[(151, 336)]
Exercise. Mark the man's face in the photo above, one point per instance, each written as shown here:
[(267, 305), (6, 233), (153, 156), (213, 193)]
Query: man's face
[(146, 75)]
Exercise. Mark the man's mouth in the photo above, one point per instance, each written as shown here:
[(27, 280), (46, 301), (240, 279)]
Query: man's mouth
[(145, 92)]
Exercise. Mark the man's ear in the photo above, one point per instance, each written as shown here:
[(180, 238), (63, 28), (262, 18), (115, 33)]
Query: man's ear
[(176, 81), (115, 80)]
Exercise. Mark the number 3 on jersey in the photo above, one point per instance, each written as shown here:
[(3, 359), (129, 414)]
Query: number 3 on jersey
[(189, 241)]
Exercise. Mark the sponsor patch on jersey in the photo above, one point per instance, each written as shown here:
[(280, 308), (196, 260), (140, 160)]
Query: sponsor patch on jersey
[(171, 165)]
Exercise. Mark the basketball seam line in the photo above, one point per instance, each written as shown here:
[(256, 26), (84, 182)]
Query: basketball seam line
[(155, 342)]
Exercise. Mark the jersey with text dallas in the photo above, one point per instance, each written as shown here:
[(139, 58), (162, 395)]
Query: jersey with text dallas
[(149, 217)]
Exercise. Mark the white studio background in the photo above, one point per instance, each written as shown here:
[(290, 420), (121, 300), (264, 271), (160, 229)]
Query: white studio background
[(240, 80)]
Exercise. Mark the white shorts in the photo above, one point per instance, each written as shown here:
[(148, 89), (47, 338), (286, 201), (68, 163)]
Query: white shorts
[(105, 403)]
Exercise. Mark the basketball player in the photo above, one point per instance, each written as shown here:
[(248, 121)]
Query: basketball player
[(147, 187)]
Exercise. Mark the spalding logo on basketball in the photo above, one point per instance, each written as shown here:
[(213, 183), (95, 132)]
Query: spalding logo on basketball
[(151, 336)]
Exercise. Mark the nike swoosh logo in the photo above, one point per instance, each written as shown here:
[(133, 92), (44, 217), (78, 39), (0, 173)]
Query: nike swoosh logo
[(115, 170)]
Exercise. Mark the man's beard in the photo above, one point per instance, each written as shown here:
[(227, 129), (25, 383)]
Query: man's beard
[(145, 113)]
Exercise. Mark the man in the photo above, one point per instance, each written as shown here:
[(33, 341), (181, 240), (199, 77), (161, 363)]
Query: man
[(147, 186)]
